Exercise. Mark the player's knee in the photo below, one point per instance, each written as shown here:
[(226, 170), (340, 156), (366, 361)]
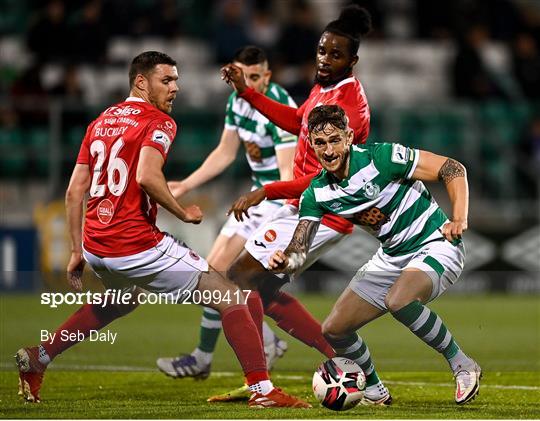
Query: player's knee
[(394, 302), (126, 308), (332, 329)]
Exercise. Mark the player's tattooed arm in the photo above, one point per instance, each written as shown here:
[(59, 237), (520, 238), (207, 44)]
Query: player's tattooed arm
[(295, 254), (450, 170), (302, 237)]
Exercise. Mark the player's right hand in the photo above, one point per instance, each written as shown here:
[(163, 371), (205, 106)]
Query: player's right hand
[(75, 269), (244, 202), (278, 262), (234, 76), (177, 188), (192, 214)]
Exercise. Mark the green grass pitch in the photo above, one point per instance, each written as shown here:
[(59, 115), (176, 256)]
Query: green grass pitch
[(99, 380)]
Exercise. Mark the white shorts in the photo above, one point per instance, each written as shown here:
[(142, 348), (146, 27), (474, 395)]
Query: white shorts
[(170, 266), (440, 260), (257, 216), (277, 232)]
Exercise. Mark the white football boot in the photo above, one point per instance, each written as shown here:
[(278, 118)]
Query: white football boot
[(185, 365), (467, 383), (377, 394)]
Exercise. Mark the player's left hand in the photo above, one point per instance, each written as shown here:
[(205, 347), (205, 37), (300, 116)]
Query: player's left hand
[(244, 202), (453, 230), (278, 262), (75, 269)]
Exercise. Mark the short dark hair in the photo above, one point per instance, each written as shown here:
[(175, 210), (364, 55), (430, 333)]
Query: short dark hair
[(145, 62), (250, 55), (321, 116), (354, 23)]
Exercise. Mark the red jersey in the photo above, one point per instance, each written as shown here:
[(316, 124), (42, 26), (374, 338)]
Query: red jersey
[(349, 95), (120, 217)]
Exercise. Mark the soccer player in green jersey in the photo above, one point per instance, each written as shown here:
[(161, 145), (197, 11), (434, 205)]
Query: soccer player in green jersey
[(380, 187), (269, 152)]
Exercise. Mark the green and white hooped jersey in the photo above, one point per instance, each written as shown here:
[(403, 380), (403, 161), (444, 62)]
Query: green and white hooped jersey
[(253, 127), (379, 196)]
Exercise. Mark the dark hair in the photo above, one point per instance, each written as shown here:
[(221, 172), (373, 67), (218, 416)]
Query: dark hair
[(250, 55), (145, 62), (354, 23), (321, 116)]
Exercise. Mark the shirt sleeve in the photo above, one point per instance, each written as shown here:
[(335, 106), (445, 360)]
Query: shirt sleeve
[(281, 138), (160, 134), (396, 160), (281, 115), (309, 208), (230, 122)]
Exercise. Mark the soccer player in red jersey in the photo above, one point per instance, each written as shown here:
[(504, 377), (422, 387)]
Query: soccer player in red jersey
[(335, 84), (120, 166)]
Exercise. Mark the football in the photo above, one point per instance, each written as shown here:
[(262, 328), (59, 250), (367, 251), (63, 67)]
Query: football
[(339, 384)]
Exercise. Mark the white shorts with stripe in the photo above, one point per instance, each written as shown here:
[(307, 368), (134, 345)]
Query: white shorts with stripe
[(257, 216), (169, 266), (440, 260), (277, 232)]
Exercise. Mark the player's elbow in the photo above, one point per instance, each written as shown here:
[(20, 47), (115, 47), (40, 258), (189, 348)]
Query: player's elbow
[(143, 180), (143, 177), (74, 194)]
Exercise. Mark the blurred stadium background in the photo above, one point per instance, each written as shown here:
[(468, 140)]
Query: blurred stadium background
[(460, 78)]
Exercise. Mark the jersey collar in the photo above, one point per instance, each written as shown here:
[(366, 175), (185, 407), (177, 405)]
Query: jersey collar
[(134, 99), (338, 85)]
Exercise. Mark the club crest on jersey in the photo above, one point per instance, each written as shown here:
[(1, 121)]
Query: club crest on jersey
[(162, 138), (105, 211), (270, 235), (336, 206), (371, 190)]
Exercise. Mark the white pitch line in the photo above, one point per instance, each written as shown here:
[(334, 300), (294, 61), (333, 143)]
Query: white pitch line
[(126, 368)]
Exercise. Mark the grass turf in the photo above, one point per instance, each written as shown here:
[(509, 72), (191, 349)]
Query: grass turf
[(100, 380)]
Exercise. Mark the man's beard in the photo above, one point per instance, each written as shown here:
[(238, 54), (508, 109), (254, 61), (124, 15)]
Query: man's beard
[(325, 83)]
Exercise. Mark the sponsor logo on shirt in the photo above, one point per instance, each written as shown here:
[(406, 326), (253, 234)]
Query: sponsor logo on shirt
[(400, 154), (105, 211), (122, 111), (162, 138), (270, 235)]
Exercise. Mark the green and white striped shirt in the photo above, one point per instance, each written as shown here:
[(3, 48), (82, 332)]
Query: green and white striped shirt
[(253, 127), (380, 196)]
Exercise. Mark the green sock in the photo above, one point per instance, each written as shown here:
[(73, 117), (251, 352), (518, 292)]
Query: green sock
[(429, 327), (354, 348), (210, 329)]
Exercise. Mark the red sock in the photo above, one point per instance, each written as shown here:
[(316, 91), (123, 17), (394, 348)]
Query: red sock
[(256, 309), (242, 335), (297, 321), (88, 317)]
